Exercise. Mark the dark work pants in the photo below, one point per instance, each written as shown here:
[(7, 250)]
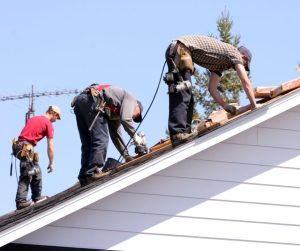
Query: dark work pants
[(93, 143), (181, 104), (35, 182)]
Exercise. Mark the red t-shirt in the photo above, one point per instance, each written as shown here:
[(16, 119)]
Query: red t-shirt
[(35, 129)]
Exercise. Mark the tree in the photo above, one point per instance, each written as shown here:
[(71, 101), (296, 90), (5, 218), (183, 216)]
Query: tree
[(230, 86)]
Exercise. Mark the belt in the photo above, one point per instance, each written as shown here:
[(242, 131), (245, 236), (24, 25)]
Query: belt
[(25, 142)]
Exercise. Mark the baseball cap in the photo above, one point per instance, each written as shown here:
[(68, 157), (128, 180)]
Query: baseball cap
[(56, 109), (139, 118), (247, 53)]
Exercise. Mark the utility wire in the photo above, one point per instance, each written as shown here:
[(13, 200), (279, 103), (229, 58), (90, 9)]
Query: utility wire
[(151, 103)]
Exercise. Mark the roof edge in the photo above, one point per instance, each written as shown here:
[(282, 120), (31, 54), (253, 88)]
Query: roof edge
[(147, 169)]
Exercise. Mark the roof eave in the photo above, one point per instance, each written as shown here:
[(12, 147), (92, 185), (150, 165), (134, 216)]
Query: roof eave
[(147, 169)]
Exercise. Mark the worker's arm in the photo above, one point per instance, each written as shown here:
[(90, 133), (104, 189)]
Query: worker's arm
[(114, 127), (212, 88), (241, 72), (50, 151)]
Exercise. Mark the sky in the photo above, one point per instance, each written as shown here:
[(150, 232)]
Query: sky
[(66, 45)]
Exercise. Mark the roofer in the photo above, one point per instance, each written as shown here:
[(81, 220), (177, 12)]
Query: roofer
[(35, 129), (212, 54), (115, 107)]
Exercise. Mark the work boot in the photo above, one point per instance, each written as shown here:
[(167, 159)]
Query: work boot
[(23, 204), (180, 138), (97, 175), (83, 180), (40, 199), (92, 175)]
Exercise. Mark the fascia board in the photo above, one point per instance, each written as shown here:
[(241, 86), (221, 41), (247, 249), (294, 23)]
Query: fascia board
[(145, 170)]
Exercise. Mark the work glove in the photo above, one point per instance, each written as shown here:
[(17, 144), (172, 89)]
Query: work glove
[(50, 168), (230, 108), (138, 140)]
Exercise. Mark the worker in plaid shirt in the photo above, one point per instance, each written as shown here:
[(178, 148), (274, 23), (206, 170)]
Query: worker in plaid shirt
[(212, 54)]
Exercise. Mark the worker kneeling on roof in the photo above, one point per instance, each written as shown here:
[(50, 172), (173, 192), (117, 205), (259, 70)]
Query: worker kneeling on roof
[(35, 129), (212, 54), (99, 109)]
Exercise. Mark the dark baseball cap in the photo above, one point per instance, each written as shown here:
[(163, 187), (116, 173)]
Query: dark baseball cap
[(247, 53), (139, 118)]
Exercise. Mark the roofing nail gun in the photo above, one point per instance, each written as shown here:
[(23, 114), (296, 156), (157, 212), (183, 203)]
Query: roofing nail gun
[(141, 149)]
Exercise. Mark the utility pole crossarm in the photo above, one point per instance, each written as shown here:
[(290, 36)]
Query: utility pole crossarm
[(39, 94), (33, 95)]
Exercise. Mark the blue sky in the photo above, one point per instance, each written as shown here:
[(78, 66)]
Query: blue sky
[(69, 44)]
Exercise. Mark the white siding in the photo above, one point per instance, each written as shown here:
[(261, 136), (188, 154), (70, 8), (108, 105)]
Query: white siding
[(242, 194)]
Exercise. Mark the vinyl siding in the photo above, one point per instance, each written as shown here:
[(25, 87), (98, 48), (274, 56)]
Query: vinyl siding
[(241, 194)]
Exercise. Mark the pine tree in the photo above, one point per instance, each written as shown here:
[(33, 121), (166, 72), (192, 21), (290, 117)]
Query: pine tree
[(230, 86)]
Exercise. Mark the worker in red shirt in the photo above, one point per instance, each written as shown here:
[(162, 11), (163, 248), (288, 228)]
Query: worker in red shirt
[(35, 129)]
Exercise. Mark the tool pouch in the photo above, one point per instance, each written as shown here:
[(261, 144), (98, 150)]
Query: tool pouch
[(93, 91), (22, 149), (36, 157), (183, 59), (16, 148), (185, 62)]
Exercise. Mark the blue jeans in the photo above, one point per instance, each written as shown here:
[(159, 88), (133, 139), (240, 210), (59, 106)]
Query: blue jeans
[(93, 143)]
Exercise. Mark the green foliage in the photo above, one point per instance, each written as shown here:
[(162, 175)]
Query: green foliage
[(230, 86)]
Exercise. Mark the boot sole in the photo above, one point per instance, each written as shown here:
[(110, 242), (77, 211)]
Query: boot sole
[(36, 202), (20, 208)]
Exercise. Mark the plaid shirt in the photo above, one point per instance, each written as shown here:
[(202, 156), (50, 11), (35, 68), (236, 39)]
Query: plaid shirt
[(211, 53)]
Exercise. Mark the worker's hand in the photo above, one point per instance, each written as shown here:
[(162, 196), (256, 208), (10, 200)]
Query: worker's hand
[(243, 109), (137, 139), (230, 108), (257, 106), (50, 168)]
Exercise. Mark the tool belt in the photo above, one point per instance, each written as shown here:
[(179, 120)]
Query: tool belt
[(97, 94), (91, 90), (182, 56), (24, 150)]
